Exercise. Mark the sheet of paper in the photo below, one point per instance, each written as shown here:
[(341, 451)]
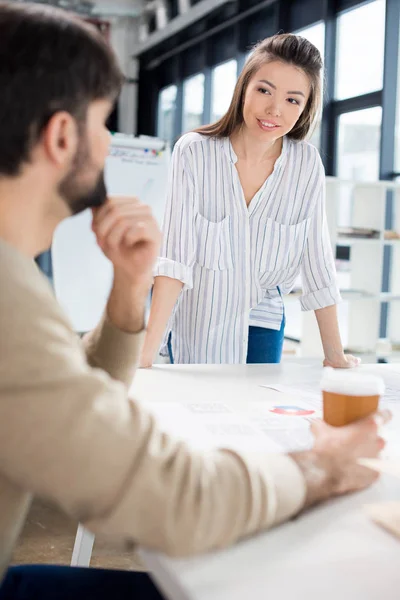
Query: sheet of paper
[(306, 396), (385, 514), (212, 424), (309, 392), (291, 433), (387, 466), (287, 421), (392, 394), (273, 426)]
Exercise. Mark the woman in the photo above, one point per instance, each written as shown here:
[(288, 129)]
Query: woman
[(245, 214)]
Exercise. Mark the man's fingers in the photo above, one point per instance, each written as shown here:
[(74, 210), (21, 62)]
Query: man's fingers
[(382, 417), (142, 232), (381, 443), (130, 231), (103, 228), (115, 205), (136, 234), (316, 426), (122, 211), (116, 235), (113, 202)]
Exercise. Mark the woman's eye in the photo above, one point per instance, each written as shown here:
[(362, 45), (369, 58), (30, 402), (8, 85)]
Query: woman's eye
[(293, 101), (263, 91)]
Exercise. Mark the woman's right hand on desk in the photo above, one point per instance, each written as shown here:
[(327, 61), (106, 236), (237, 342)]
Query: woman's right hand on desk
[(146, 360), (148, 353)]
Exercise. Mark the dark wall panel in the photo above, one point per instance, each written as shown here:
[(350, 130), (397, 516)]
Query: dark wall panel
[(255, 28), (305, 12), (222, 46)]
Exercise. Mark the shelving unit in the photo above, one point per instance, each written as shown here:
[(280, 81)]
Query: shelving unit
[(361, 205), (394, 310)]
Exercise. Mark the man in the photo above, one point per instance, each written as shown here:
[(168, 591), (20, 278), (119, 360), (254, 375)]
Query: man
[(68, 431)]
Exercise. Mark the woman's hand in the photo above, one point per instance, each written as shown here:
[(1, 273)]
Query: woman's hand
[(330, 337), (146, 360), (342, 361)]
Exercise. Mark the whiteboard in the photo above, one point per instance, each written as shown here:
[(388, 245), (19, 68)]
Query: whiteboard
[(82, 275)]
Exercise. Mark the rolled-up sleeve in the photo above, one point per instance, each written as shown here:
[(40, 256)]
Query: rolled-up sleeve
[(178, 249), (318, 271)]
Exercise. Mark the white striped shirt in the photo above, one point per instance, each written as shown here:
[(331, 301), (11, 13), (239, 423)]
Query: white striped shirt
[(235, 260)]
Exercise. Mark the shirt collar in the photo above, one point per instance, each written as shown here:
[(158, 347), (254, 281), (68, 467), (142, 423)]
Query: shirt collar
[(231, 155)]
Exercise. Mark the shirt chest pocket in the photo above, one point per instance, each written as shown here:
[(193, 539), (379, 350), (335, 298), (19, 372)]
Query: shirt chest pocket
[(283, 245), (214, 247)]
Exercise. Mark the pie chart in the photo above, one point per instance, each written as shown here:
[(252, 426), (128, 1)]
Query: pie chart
[(290, 410)]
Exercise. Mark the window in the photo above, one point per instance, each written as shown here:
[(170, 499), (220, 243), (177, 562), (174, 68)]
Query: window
[(223, 83), (193, 102), (359, 144), (166, 113), (316, 35), (315, 138), (359, 137), (360, 50), (397, 142)]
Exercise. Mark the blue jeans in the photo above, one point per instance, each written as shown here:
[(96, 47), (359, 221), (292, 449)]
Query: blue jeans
[(73, 583), (265, 345)]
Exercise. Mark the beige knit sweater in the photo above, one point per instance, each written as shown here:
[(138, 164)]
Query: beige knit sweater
[(70, 434)]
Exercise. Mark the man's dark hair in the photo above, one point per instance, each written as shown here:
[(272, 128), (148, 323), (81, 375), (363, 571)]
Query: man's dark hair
[(50, 61)]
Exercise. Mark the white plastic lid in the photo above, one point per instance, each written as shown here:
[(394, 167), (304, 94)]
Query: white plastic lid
[(351, 383)]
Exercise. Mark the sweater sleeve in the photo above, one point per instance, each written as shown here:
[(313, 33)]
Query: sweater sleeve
[(113, 350), (69, 433)]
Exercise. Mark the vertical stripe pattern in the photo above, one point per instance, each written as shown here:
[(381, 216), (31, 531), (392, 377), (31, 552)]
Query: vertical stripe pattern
[(236, 261)]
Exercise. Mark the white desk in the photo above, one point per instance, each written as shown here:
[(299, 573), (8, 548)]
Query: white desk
[(333, 552)]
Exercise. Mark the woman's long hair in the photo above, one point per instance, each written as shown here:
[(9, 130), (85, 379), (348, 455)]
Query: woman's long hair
[(287, 48)]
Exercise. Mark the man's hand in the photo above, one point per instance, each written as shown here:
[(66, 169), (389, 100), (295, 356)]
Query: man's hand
[(345, 445), (130, 238), (331, 468)]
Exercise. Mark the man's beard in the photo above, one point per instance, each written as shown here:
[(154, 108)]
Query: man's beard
[(78, 199), (77, 196)]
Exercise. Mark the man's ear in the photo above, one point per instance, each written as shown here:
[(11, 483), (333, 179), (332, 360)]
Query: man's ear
[(61, 139)]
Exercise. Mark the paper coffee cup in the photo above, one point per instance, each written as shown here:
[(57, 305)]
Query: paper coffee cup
[(349, 395)]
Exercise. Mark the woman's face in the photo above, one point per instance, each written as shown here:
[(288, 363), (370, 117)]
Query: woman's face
[(276, 96)]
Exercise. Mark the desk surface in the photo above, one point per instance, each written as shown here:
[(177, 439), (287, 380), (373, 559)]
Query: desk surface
[(332, 552)]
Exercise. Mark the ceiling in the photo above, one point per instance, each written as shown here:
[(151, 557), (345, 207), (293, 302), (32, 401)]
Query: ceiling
[(99, 8)]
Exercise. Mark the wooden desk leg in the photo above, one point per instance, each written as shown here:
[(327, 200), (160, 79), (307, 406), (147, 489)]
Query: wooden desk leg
[(83, 547)]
